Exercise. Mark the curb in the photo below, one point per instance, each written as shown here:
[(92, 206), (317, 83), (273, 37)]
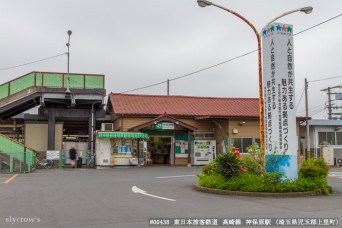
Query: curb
[(256, 194)]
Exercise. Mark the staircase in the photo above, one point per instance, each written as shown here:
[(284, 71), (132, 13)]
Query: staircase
[(14, 156)]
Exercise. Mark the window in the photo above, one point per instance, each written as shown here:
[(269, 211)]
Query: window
[(204, 135), (330, 138), (339, 138), (322, 138), (242, 143), (237, 143), (246, 142)]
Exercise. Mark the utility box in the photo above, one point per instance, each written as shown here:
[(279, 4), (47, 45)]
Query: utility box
[(328, 155)]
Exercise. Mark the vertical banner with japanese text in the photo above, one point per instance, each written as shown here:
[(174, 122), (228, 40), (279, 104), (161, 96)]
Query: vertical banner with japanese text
[(279, 100)]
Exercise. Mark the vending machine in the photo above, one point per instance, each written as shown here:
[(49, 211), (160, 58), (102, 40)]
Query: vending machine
[(204, 151)]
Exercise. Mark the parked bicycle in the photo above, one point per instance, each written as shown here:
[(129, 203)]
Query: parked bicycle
[(46, 163)]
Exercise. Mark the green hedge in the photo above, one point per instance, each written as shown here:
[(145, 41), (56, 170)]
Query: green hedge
[(248, 182)]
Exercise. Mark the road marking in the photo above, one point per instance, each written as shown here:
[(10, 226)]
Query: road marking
[(135, 189), (177, 176), (335, 174), (10, 179)]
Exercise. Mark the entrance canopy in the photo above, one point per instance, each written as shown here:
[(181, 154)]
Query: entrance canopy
[(163, 118), (122, 135)]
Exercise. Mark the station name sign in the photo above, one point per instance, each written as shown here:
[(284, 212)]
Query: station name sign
[(164, 126)]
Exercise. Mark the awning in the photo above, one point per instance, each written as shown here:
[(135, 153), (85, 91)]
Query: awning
[(122, 135), (163, 118)]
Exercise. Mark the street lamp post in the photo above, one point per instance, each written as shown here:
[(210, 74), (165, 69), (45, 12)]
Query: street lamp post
[(68, 79), (307, 10)]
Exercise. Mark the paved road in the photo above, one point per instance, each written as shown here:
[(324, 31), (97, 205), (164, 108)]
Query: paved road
[(104, 198)]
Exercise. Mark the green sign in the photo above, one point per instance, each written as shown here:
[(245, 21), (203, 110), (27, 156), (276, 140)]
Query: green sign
[(158, 126), (164, 126)]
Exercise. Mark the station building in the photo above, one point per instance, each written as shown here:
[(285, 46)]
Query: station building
[(175, 123)]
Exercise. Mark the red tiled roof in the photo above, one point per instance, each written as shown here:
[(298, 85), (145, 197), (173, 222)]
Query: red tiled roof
[(183, 105)]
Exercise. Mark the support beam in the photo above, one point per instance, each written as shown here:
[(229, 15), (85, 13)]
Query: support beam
[(51, 129), (138, 152), (189, 149), (91, 129)]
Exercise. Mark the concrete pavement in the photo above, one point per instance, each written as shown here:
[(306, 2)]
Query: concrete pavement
[(104, 198)]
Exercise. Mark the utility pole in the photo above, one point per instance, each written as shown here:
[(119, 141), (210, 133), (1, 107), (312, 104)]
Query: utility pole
[(330, 105), (307, 153), (168, 87)]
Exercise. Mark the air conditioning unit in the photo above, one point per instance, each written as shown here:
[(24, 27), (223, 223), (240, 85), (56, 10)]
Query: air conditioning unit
[(107, 127), (338, 161)]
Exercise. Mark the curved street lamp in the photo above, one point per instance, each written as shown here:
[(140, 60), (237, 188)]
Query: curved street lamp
[(307, 10), (68, 79)]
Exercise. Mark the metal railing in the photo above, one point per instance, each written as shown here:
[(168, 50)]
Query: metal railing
[(63, 160), (14, 156), (17, 162), (53, 80)]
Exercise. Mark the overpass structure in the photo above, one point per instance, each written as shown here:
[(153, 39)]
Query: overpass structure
[(76, 99)]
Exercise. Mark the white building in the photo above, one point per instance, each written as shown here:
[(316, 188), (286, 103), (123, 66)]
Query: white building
[(323, 132)]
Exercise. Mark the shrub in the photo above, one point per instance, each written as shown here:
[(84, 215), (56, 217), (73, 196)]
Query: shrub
[(314, 168), (224, 173), (212, 181), (207, 169), (227, 165), (252, 165), (246, 182), (273, 178), (249, 182)]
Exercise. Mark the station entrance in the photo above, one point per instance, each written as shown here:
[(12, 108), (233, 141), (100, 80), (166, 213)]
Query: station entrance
[(161, 149)]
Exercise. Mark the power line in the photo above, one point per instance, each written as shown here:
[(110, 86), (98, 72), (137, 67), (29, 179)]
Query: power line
[(299, 91), (313, 108), (52, 57), (318, 24), (319, 111), (144, 87), (189, 74), (229, 60), (300, 99), (212, 66), (325, 79), (312, 112)]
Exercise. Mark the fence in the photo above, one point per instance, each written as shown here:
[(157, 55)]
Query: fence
[(61, 159), (17, 162)]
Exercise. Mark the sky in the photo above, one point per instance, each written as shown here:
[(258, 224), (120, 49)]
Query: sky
[(137, 43)]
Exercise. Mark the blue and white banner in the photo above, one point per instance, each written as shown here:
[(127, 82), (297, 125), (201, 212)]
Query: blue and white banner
[(279, 99)]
